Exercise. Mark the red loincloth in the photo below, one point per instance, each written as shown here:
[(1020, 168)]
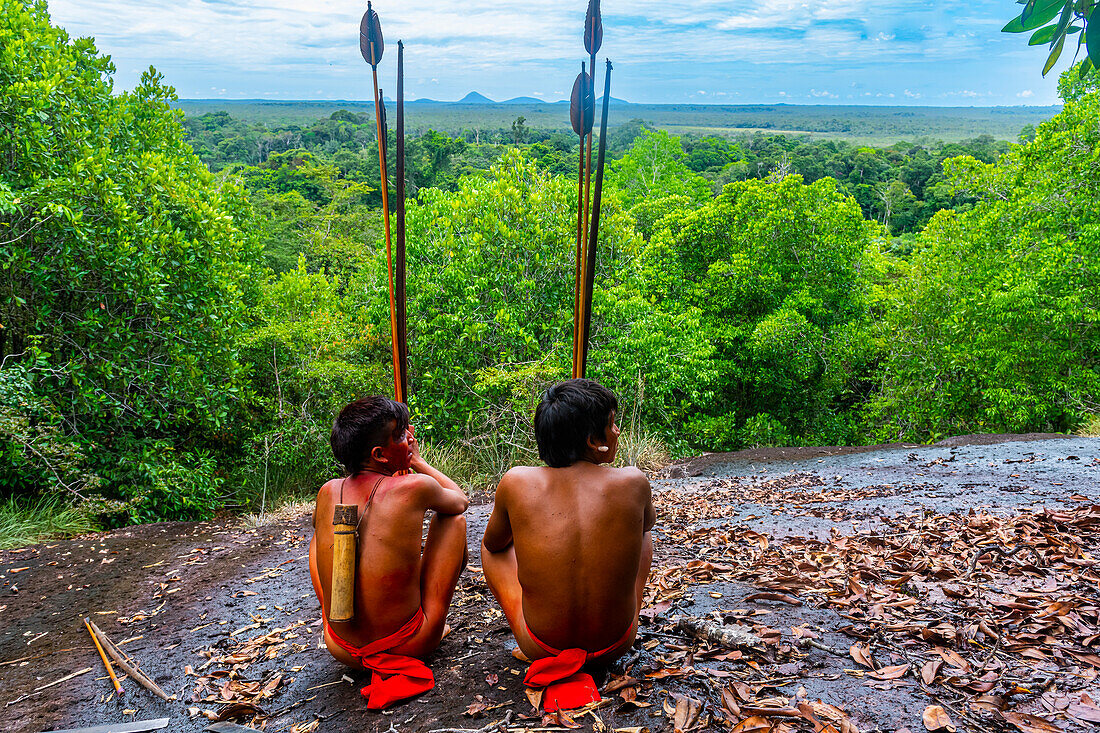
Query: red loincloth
[(566, 686), (394, 676)]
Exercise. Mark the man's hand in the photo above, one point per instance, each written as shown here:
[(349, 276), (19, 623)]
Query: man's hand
[(417, 462)]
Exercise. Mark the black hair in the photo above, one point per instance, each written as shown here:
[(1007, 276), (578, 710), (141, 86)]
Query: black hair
[(568, 415), (363, 424)]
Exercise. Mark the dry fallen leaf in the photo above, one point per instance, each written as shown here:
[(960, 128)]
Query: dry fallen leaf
[(754, 724), (861, 653), (890, 673), (781, 597), (929, 669), (935, 718), (1031, 723), (686, 714)]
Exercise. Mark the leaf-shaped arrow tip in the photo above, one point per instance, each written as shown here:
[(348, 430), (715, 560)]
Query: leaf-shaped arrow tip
[(593, 28), (370, 34), (581, 103)]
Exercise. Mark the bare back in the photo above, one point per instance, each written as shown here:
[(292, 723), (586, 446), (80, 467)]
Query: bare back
[(389, 559), (578, 533)]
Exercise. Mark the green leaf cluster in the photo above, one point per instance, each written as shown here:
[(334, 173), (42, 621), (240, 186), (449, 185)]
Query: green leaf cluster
[(1061, 16), (127, 278)]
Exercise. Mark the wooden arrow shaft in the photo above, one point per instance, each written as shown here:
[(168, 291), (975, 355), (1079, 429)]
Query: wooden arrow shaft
[(402, 364), (397, 391), (593, 239), (578, 270)]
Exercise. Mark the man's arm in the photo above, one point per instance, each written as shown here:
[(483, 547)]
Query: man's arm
[(498, 532), (445, 497), (650, 516)]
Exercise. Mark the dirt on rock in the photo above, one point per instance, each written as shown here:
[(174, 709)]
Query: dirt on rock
[(223, 616)]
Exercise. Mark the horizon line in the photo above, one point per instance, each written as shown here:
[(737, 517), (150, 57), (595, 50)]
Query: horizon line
[(490, 102)]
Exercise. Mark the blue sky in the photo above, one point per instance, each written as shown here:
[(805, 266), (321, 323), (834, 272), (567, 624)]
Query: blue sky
[(669, 51)]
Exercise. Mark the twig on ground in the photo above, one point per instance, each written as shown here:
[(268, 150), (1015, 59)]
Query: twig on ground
[(1000, 551), (39, 656), (726, 635), (37, 690), (823, 647), (490, 728), (127, 665)]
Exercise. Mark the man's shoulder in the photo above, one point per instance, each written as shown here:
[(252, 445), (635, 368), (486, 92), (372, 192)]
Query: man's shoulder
[(519, 477), (330, 488), (417, 487), (630, 476), (520, 473)]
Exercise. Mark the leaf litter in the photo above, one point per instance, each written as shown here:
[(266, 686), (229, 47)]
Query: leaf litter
[(990, 616), (995, 615)]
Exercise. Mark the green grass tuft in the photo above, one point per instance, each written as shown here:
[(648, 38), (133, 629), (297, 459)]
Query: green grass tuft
[(1090, 428), (27, 522)]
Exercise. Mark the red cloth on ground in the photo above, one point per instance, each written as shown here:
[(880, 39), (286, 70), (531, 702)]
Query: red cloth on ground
[(394, 676), (566, 686)]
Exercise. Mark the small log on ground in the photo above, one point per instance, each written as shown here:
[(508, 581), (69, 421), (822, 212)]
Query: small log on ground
[(726, 635)]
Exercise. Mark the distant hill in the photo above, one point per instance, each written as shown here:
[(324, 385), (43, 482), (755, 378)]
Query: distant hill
[(524, 100), (475, 98)]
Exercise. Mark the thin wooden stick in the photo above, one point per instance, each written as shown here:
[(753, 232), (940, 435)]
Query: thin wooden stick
[(66, 678), (402, 332), (124, 662), (590, 257), (103, 656), (578, 271), (37, 656)]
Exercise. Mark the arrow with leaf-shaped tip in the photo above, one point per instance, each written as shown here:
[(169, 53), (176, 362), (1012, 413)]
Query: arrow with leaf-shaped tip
[(581, 114), (371, 45), (593, 39), (593, 29)]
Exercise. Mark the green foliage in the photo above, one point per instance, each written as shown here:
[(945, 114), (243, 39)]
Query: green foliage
[(491, 283), (998, 328), (125, 266), (772, 271), (34, 448), (311, 352), (1062, 16), (655, 166), (165, 485)]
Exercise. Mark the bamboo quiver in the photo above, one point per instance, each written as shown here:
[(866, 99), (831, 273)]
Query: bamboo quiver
[(342, 601)]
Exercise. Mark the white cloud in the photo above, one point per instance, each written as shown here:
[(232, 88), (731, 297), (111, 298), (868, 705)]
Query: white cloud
[(1025, 94), (288, 48)]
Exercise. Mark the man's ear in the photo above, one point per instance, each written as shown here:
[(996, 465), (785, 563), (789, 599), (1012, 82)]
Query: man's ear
[(594, 442), (377, 454)]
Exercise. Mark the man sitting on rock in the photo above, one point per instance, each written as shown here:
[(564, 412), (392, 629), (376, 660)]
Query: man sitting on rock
[(567, 549), (401, 595)]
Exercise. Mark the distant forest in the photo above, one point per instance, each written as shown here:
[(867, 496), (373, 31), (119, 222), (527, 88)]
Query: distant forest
[(861, 124), (901, 185)]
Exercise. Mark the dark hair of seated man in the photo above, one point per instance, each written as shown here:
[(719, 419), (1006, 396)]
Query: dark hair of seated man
[(568, 414), (364, 424)]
